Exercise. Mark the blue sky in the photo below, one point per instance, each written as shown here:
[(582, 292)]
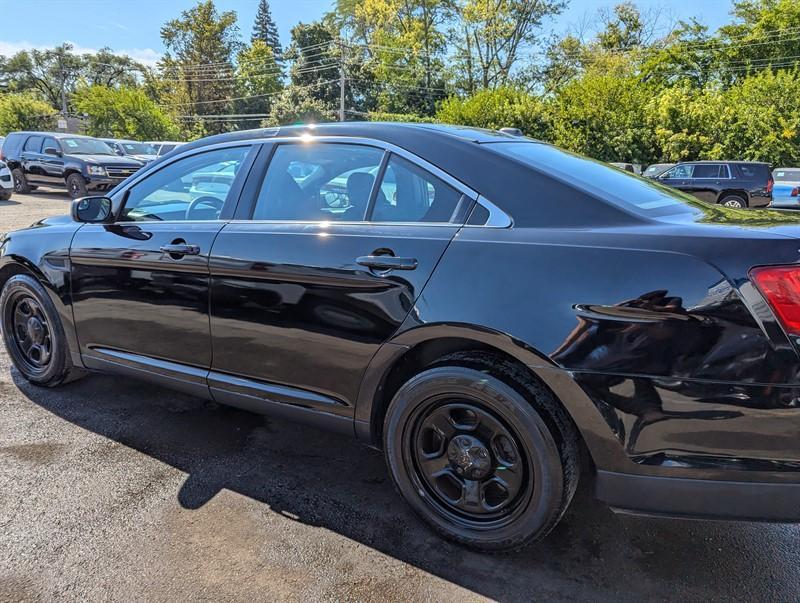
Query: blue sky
[(132, 26)]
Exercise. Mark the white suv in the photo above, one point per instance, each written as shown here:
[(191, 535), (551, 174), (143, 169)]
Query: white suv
[(6, 182)]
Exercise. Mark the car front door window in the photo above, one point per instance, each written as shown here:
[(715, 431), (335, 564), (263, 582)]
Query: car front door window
[(193, 188)]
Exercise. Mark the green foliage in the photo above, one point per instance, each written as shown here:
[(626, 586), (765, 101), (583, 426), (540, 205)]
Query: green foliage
[(296, 105), (604, 115), (24, 112), (402, 117), (258, 79), (494, 109), (123, 113)]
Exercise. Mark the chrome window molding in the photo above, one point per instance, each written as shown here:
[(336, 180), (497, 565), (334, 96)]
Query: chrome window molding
[(497, 217)]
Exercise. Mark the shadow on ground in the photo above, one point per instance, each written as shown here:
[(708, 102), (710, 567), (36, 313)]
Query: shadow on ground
[(335, 483)]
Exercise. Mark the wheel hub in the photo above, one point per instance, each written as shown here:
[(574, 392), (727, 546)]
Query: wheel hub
[(469, 457), (35, 330)]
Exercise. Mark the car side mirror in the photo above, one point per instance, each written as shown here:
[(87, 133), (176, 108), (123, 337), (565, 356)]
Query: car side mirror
[(92, 210), (52, 151)]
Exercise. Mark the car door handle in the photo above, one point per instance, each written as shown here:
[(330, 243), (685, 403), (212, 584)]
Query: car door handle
[(180, 249), (387, 262)]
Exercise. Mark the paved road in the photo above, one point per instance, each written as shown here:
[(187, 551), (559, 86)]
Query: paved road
[(111, 489)]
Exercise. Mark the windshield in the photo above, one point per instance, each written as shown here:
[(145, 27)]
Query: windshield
[(657, 168), (619, 187), (782, 175), (85, 146), (138, 148)]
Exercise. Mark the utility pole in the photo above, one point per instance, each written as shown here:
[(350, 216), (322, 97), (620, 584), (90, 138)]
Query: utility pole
[(341, 79), (63, 87)]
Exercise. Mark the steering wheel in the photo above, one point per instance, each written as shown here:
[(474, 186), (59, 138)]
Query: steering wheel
[(207, 200)]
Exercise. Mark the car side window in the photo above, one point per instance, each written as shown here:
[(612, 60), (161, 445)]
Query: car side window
[(318, 182), (33, 144), (408, 193), (50, 143), (707, 170), (193, 188), (679, 171)]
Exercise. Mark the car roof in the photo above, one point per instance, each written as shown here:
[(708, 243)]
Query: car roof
[(736, 161)]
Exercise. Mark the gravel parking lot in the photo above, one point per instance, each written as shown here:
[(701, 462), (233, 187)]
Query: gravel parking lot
[(111, 489)]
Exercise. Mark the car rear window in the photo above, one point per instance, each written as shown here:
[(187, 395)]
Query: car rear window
[(784, 175), (621, 188), (755, 171)]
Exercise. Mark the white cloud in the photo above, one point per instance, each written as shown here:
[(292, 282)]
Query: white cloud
[(148, 56)]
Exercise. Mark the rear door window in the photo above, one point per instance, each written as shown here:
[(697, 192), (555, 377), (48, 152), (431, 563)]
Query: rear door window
[(707, 170), (33, 144)]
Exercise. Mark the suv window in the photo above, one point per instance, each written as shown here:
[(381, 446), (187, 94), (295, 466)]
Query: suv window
[(12, 142), (679, 171), (755, 171), (33, 144), (50, 143), (192, 188), (708, 170), (324, 181), (408, 193)]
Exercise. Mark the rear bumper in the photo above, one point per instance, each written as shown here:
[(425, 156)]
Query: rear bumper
[(699, 498)]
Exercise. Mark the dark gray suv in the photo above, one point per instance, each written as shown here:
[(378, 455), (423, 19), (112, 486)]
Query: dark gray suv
[(735, 184)]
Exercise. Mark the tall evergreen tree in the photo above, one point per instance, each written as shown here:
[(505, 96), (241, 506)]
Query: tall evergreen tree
[(264, 29)]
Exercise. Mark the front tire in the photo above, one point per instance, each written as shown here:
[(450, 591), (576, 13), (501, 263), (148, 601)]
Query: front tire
[(76, 186), (33, 333), (482, 452), (21, 185)]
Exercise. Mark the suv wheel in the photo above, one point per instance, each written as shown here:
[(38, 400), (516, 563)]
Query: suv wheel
[(76, 186), (482, 452), (21, 185), (33, 333), (734, 201)]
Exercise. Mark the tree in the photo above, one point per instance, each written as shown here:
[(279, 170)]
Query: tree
[(258, 79), (497, 31), (24, 112), (46, 71), (499, 108), (315, 60), (296, 105), (123, 113), (201, 45), (265, 30)]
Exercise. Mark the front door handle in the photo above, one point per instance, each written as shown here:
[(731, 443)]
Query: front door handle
[(387, 262), (180, 249)]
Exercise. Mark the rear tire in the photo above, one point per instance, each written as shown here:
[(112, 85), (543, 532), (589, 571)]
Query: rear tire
[(20, 182), (76, 186), (33, 333), (482, 452), (733, 201)]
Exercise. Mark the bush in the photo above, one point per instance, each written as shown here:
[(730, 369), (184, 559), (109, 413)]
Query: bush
[(24, 112)]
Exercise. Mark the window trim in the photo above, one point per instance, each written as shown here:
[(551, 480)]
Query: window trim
[(725, 165), (498, 218)]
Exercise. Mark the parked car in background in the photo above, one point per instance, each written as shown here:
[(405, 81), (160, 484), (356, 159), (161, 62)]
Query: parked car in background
[(786, 193), (656, 169), (78, 163), (163, 147), (141, 151), (467, 317), (6, 182), (736, 184)]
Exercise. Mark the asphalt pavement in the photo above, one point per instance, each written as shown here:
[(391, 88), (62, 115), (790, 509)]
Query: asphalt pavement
[(116, 490)]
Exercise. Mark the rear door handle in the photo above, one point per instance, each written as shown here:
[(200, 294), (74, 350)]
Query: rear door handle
[(180, 249), (387, 262)]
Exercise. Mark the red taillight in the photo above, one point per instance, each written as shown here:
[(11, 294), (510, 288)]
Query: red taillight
[(780, 285), (795, 191), (770, 184)]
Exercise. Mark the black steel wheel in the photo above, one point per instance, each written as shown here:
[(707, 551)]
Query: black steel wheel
[(76, 186), (33, 333), (482, 451), (21, 185)]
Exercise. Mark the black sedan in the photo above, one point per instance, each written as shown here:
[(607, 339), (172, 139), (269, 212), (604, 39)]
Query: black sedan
[(501, 317)]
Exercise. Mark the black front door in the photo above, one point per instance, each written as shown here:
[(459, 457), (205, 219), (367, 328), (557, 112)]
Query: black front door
[(140, 286), (306, 289)]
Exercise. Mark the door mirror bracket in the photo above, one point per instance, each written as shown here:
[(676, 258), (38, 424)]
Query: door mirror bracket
[(92, 210)]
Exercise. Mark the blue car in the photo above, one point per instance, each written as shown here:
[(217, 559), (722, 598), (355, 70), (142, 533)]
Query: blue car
[(786, 192)]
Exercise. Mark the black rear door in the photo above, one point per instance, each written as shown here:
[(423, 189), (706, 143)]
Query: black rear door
[(304, 289), (140, 286)]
